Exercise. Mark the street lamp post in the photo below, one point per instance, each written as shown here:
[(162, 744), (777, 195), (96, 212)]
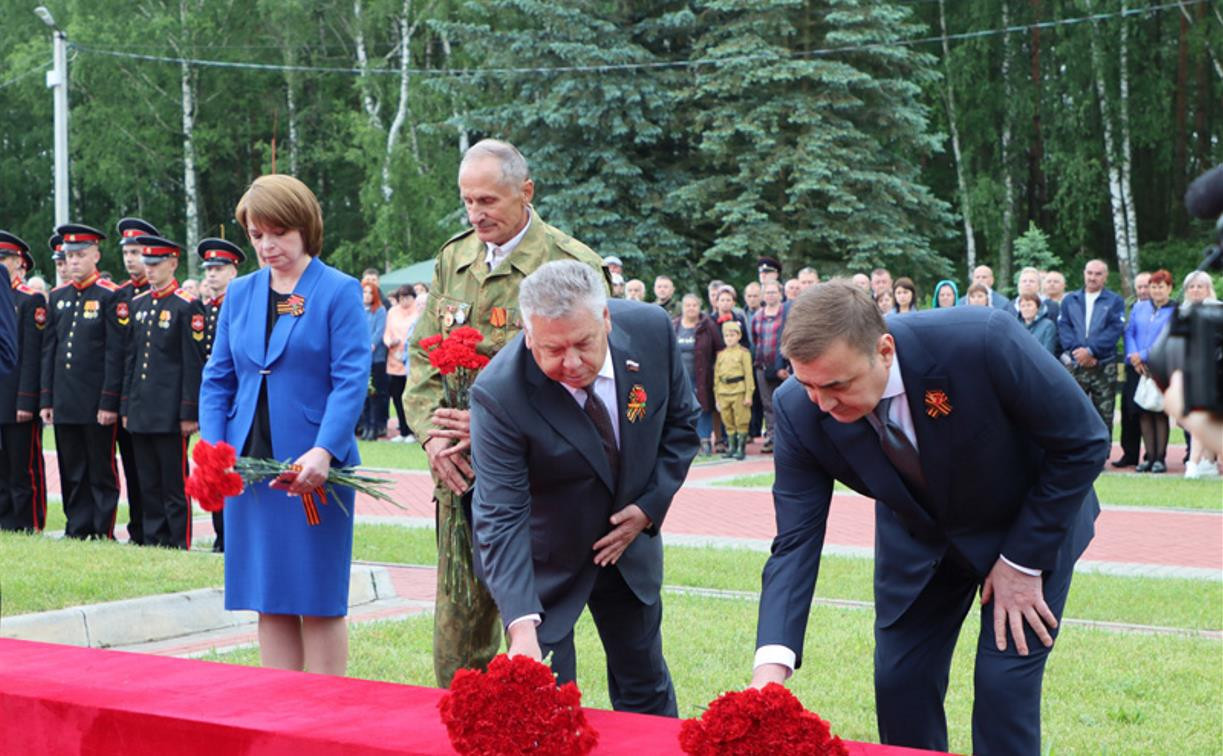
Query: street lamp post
[(57, 79)]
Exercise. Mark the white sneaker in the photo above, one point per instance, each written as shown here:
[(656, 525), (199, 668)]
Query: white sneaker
[(1207, 469), (397, 439), (408, 439), (1192, 471)]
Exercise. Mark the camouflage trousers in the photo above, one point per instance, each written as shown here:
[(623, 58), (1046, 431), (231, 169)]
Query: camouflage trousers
[(466, 629), (1100, 385)]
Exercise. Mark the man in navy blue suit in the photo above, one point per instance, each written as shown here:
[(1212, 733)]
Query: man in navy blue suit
[(980, 451)]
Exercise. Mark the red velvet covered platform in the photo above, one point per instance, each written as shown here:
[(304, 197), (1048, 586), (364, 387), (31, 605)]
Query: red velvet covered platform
[(67, 700)]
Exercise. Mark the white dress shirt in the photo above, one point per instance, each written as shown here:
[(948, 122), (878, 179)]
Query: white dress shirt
[(605, 389), (898, 413), (1090, 299), (494, 254)]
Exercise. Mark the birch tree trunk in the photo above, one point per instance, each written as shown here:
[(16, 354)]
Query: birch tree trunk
[(190, 189), (1127, 191), (401, 110), (371, 104), (1006, 247), (294, 126), (1116, 196), (970, 245)]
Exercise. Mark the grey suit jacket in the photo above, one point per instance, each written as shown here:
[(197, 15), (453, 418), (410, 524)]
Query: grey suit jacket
[(544, 491)]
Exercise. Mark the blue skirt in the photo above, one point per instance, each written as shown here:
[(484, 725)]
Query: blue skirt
[(277, 563)]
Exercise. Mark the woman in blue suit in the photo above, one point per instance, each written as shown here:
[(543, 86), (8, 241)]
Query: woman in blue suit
[(287, 381)]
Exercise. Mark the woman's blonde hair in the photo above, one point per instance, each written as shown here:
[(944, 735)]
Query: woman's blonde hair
[(281, 201)]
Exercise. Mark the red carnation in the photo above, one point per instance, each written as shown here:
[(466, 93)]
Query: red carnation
[(515, 707), (759, 722), (213, 478), (467, 335), (429, 342)]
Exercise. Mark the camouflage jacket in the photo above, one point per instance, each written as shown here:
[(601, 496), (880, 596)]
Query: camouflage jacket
[(464, 292)]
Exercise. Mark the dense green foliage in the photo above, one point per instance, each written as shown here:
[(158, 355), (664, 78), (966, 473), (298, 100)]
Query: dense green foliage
[(685, 136)]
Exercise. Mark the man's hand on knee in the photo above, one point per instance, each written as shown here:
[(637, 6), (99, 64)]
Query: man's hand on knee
[(1018, 598)]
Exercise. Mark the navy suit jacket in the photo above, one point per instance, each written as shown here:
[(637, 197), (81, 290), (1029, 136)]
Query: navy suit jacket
[(316, 365), (1009, 470), (544, 489), (1107, 324)]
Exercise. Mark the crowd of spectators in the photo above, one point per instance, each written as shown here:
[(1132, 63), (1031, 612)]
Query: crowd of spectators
[(1085, 329), (1081, 328)]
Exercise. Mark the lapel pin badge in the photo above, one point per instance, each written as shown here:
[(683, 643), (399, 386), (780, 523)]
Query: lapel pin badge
[(636, 403), (631, 366), (937, 404)]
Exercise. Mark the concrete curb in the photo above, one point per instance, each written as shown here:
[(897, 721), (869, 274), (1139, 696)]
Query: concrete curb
[(157, 618)]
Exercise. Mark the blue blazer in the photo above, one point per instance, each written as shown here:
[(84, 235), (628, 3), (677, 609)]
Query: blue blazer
[(1009, 470), (1107, 323), (316, 365)]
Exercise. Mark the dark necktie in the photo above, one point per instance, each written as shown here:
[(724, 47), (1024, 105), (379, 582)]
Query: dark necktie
[(898, 448), (597, 412)]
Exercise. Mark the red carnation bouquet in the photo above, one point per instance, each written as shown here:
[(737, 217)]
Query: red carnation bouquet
[(760, 722), (219, 472), (456, 359), (515, 707)]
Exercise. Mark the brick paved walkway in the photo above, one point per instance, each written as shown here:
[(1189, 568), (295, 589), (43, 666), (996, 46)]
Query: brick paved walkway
[(1129, 536)]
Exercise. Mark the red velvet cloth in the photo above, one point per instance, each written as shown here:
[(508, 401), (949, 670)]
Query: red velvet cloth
[(64, 699)]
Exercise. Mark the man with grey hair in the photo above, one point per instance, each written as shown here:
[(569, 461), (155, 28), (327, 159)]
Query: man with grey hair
[(583, 429), (475, 283)]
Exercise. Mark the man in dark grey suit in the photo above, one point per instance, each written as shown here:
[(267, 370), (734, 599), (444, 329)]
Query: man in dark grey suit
[(582, 430)]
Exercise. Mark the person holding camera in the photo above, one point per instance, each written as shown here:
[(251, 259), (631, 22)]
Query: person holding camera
[(1148, 319), (1201, 462)]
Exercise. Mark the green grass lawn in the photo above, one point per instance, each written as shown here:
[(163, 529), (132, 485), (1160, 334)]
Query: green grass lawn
[(56, 519), (39, 574), (1119, 489), (1104, 692)]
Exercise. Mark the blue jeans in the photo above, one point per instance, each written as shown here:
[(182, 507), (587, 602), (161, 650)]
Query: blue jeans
[(704, 421)]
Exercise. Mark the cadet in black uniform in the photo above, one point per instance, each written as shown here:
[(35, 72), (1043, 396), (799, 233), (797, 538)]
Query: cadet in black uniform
[(82, 375), (161, 392), (221, 261), (137, 283), (56, 243), (23, 489)]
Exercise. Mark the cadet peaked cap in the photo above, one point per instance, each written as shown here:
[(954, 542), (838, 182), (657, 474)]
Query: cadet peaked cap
[(78, 237), (216, 252), (612, 260), (56, 245), (130, 228), (155, 248), (766, 264), (12, 245)]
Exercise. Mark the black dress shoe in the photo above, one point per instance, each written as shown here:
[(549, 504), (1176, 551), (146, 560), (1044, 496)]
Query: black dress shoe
[(1144, 467), (1123, 462), (1158, 467)]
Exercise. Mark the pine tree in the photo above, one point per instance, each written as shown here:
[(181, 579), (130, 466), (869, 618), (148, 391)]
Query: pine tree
[(603, 145), (810, 130)]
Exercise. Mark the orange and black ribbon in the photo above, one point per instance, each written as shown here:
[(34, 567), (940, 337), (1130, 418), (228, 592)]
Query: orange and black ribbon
[(310, 501), (294, 305)]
